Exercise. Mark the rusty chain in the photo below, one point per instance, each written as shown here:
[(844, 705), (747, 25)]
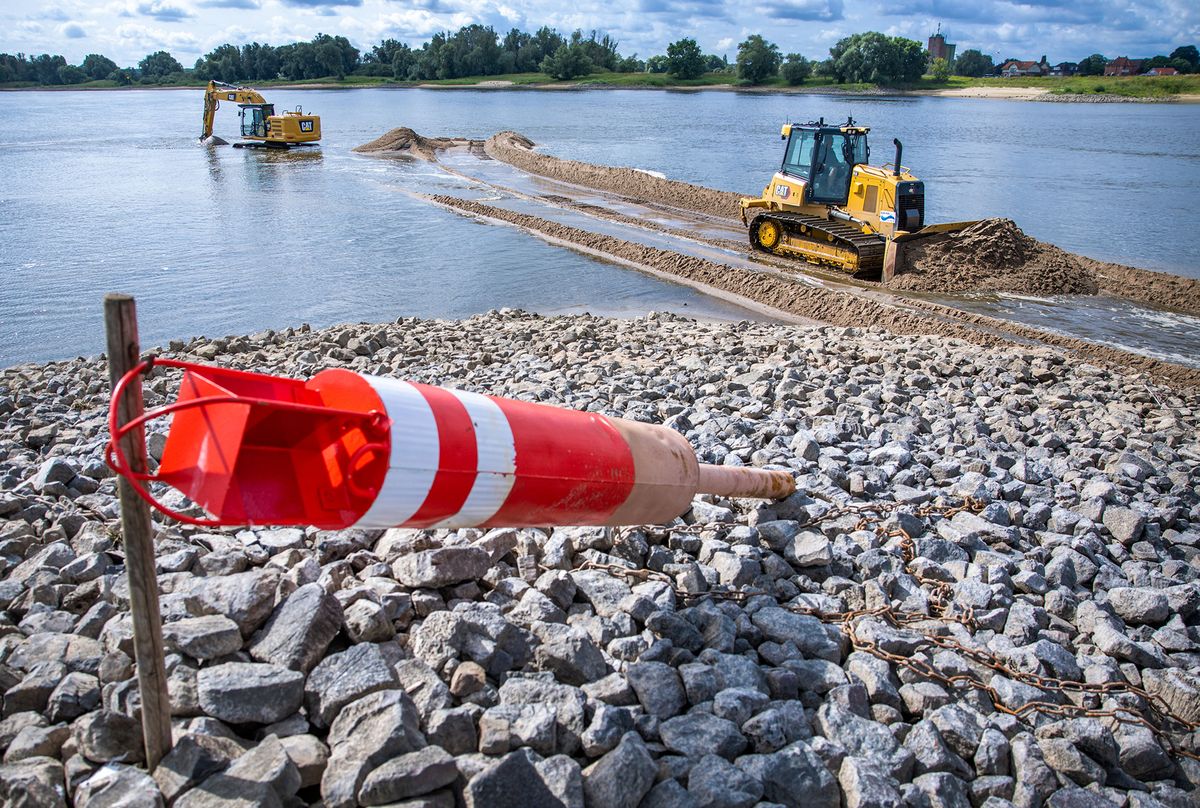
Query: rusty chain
[(940, 598)]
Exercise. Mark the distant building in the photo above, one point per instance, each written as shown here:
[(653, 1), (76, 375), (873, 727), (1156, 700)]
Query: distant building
[(939, 48), (1123, 66), (1065, 69), (1162, 71), (1013, 68)]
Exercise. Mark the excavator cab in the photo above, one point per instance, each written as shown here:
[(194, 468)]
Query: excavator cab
[(824, 157), (255, 119)]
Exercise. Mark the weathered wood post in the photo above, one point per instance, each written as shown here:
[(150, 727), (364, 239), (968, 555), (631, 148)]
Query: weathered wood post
[(120, 326)]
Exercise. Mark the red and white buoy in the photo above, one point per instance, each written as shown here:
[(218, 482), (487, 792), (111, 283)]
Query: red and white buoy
[(345, 449)]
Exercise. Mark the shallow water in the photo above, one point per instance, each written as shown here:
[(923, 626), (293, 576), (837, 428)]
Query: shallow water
[(104, 191)]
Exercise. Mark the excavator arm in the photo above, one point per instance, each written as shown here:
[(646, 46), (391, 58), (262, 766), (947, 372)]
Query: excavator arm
[(219, 91)]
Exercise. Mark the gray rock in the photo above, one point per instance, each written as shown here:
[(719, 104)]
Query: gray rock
[(567, 702), (1062, 756), (1140, 606), (669, 794), (299, 630), (564, 778), (657, 687), (36, 741), (246, 598), (506, 727), (364, 735), (866, 784), (942, 790), (309, 755), (804, 631), (511, 782), (409, 775), (193, 758), (345, 677), (249, 692), (794, 776), (367, 621), (76, 694), (263, 775), (33, 783), (453, 729), (1179, 690), (605, 592), (104, 736), (206, 637), (698, 734), (570, 655), (609, 724), (622, 777), (862, 737), (1124, 524), (715, 781), (443, 566), (475, 631), (116, 785)]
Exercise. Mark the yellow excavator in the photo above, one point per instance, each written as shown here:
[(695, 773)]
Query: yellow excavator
[(827, 205), (261, 127)]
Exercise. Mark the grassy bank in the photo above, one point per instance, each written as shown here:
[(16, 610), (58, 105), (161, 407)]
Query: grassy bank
[(1148, 87)]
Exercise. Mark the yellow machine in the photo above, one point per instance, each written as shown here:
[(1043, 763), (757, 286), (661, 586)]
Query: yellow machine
[(261, 127), (827, 205)]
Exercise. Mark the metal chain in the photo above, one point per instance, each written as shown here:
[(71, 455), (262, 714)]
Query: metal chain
[(941, 596)]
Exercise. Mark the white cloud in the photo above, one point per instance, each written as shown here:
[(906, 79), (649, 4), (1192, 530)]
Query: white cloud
[(72, 30)]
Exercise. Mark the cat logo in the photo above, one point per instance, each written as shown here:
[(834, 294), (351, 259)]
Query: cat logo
[(231, 96), (306, 126), (782, 191)]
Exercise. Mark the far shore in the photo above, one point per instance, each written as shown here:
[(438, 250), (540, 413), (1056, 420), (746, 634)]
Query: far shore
[(990, 92)]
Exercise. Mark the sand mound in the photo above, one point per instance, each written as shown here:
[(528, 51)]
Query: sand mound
[(1145, 286), (517, 150), (993, 255), (404, 142), (827, 305)]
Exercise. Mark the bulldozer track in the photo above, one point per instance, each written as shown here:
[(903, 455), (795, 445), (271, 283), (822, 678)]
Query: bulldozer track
[(869, 248)]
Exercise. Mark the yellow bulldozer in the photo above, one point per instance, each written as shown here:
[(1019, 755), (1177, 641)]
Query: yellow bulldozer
[(827, 205), (261, 127)]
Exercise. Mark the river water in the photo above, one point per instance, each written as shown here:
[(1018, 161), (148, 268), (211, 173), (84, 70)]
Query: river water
[(104, 191)]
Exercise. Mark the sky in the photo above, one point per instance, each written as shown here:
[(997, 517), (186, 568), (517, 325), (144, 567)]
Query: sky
[(1064, 30)]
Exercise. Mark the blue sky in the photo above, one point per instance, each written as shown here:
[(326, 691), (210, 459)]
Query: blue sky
[(126, 30)]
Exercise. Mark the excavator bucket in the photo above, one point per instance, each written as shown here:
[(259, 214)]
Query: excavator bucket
[(893, 259)]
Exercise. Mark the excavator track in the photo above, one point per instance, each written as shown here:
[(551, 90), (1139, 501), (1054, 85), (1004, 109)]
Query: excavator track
[(818, 240)]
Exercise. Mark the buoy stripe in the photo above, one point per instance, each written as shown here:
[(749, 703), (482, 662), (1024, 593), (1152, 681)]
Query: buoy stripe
[(496, 465), (571, 465), (457, 463), (413, 457)]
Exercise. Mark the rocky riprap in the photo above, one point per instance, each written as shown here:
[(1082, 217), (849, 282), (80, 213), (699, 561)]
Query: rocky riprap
[(508, 667)]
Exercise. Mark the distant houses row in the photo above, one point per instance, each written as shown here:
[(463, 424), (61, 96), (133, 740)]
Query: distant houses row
[(1121, 66)]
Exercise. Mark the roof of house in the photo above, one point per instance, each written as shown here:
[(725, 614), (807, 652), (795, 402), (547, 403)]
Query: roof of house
[(1163, 71), (1021, 65)]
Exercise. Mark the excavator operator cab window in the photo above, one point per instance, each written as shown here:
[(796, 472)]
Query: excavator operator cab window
[(254, 119)]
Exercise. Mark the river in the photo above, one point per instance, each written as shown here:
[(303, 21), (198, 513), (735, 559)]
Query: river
[(107, 191)]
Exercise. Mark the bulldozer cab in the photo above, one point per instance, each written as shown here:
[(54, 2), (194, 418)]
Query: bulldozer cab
[(254, 119), (824, 157)]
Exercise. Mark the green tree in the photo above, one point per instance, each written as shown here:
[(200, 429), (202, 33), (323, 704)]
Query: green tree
[(159, 65), (1189, 54), (685, 60), (796, 69), (70, 74), (566, 63), (656, 64), (97, 66), (876, 58), (973, 63), (757, 60), (1093, 65), (631, 64), (716, 64), (45, 67), (939, 69)]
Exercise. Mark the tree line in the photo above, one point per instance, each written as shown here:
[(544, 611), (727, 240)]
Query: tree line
[(476, 50)]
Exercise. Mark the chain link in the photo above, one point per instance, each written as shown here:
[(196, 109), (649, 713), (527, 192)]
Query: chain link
[(1157, 716)]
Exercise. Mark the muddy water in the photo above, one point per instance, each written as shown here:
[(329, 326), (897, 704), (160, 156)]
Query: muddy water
[(219, 241)]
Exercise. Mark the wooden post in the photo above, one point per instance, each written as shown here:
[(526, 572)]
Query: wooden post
[(120, 326)]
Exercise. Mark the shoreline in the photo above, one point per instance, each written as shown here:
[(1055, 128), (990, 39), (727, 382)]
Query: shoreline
[(1035, 94)]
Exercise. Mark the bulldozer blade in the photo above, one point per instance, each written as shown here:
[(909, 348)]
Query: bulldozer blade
[(893, 258), (214, 140)]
